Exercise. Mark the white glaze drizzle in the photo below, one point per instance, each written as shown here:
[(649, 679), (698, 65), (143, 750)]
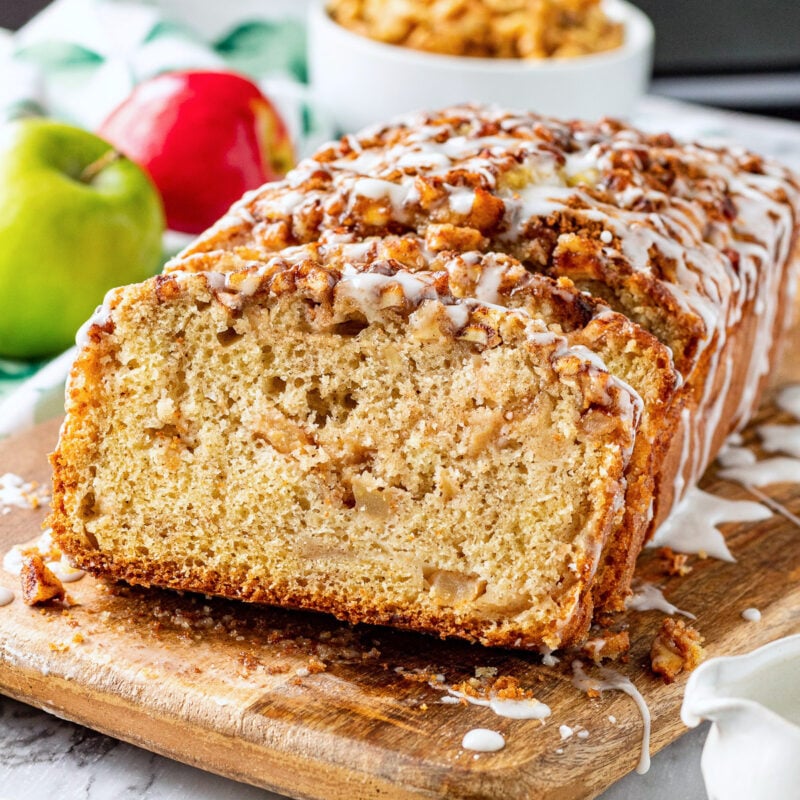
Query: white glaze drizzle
[(460, 199), (527, 708), (449, 700), (788, 400), (487, 289), (459, 315), (43, 546), (691, 528), (764, 473), (548, 659), (611, 679), (397, 194), (648, 597), (101, 316), (6, 596), (733, 456), (780, 439), (679, 482), (777, 507), (483, 740), (677, 229), (365, 288), (16, 491)]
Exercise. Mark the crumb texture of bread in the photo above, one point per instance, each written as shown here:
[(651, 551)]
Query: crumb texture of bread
[(695, 244)]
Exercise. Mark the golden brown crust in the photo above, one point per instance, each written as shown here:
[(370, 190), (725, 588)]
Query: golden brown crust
[(362, 609)]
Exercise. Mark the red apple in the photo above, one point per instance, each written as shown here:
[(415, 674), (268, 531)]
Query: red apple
[(205, 138)]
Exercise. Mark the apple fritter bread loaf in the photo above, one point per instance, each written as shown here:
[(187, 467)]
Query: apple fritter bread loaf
[(447, 375)]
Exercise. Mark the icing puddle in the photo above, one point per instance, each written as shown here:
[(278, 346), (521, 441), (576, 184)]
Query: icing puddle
[(483, 740), (46, 548)]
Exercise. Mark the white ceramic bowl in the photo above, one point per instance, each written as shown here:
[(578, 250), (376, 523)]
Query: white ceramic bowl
[(361, 81)]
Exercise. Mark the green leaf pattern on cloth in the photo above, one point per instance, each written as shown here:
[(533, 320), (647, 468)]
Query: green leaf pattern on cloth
[(264, 48)]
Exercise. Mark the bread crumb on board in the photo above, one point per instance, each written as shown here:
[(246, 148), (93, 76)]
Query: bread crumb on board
[(676, 648), (607, 646), (39, 584)]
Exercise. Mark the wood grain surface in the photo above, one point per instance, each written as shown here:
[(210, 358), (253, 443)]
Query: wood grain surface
[(214, 683)]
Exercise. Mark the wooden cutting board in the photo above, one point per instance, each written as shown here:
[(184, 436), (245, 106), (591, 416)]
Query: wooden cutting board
[(215, 684)]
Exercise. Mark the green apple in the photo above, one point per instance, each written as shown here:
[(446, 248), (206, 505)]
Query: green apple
[(76, 218)]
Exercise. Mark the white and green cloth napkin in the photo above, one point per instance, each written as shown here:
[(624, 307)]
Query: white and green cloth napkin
[(80, 58)]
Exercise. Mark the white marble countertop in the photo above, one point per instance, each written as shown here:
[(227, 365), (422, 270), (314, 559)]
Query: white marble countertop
[(42, 756)]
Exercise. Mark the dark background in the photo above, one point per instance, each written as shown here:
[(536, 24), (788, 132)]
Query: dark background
[(742, 54), (14, 13)]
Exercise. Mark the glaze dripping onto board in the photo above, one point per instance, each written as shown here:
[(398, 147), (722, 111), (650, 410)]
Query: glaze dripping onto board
[(788, 400), (780, 439), (64, 571), (611, 679), (528, 708), (734, 456), (691, 528), (781, 469), (648, 597)]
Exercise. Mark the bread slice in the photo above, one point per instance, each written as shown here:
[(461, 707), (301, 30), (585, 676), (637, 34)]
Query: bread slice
[(359, 443)]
